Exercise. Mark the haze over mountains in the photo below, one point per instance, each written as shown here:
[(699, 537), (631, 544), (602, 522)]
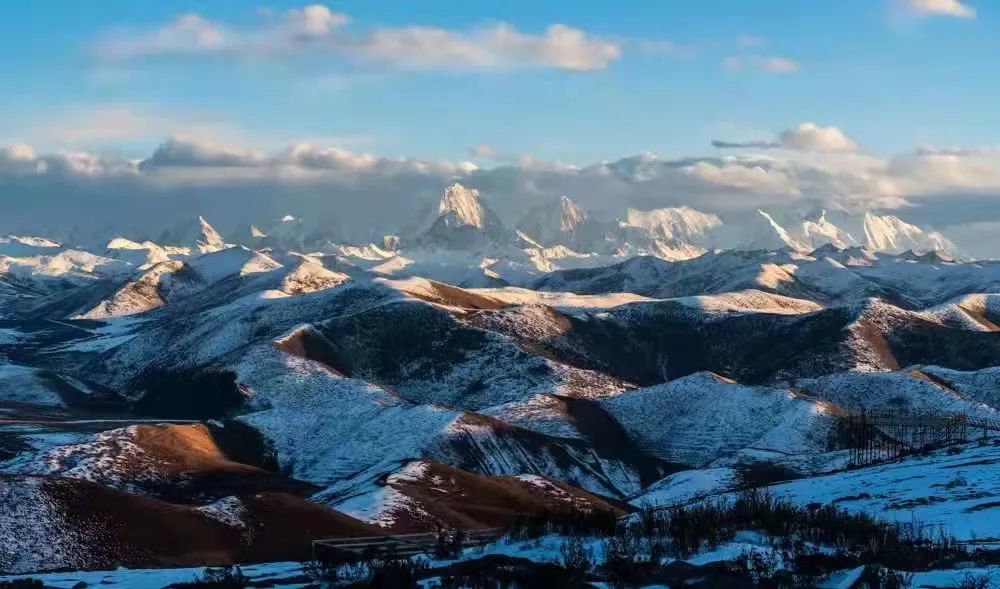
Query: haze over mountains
[(357, 198), (463, 220)]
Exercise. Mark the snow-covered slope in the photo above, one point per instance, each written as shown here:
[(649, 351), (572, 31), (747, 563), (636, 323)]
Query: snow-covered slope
[(891, 234), (680, 223), (956, 489), (412, 382), (423, 494), (818, 232), (25, 246), (703, 417), (148, 291), (828, 277), (903, 392)]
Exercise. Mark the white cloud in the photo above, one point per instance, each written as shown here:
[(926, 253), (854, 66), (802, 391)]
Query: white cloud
[(738, 175), (314, 20), (926, 8), (315, 28), (804, 137), (23, 160), (498, 47), (812, 137), (930, 169), (189, 34), (83, 164), (193, 153), (764, 64), (370, 194), (311, 157), (19, 159), (189, 152), (329, 158)]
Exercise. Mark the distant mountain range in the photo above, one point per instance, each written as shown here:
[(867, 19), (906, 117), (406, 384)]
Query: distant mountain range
[(671, 233), (462, 220)]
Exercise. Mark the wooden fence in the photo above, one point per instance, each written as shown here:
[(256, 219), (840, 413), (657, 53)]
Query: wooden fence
[(398, 545), (879, 436)]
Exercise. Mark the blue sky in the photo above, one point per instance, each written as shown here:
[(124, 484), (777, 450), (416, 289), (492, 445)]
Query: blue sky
[(122, 115), (889, 77)]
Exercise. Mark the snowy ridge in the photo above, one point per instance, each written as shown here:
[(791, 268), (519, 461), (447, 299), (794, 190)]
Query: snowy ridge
[(681, 223), (697, 419), (463, 205), (473, 369)]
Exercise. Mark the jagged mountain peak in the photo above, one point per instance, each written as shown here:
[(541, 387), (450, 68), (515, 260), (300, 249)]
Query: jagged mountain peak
[(30, 240), (464, 204), (680, 223), (817, 230), (572, 214), (463, 221), (209, 236), (562, 222), (891, 234), (765, 233)]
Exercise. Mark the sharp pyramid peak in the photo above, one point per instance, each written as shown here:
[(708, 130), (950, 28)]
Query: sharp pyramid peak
[(210, 236), (464, 203)]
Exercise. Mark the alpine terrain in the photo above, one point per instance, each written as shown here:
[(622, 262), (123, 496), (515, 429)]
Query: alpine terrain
[(229, 399)]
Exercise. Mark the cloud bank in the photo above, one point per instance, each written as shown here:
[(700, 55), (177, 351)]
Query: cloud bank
[(83, 197), (804, 137), (317, 29), (928, 8)]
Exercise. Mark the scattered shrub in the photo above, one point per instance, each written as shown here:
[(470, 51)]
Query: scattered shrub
[(576, 556), (230, 577), (565, 523), (757, 565), (795, 531), (449, 543), (22, 584), (971, 581), (394, 574), (892, 579)]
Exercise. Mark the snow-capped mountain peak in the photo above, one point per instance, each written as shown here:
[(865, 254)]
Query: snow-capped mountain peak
[(891, 234), (463, 203), (211, 240), (563, 222), (680, 223), (781, 233), (572, 215), (759, 231), (820, 231), (463, 221)]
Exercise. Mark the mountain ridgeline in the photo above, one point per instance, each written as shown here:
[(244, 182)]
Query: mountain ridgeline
[(248, 393)]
